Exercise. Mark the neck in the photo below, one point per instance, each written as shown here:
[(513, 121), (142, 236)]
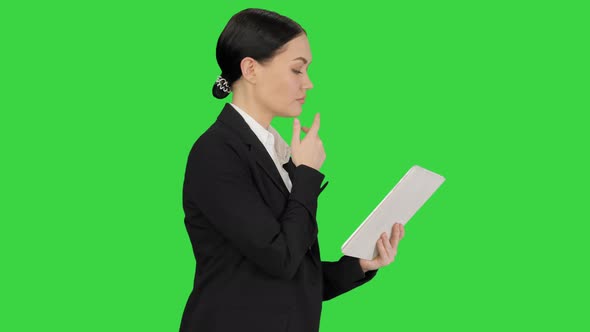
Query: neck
[(253, 109)]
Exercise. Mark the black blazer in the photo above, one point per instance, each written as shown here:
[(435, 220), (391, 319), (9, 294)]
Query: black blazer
[(258, 259)]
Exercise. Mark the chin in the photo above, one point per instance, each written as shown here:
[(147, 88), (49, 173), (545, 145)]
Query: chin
[(292, 112), (298, 111)]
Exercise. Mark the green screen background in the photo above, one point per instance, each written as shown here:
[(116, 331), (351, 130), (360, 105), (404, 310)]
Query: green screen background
[(101, 101)]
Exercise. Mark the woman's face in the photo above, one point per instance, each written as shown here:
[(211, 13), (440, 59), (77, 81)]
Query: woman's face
[(282, 82)]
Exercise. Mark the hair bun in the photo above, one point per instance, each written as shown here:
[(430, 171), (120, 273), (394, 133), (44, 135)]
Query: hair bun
[(221, 88)]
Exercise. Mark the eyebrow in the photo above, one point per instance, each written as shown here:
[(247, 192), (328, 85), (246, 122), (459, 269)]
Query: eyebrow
[(301, 58)]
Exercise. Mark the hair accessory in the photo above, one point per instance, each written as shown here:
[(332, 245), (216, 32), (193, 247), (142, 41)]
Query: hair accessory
[(222, 84)]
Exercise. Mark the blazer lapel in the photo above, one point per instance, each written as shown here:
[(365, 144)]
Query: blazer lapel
[(233, 119), (290, 168)]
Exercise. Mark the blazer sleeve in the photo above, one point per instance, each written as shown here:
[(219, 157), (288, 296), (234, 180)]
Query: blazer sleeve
[(218, 182), (344, 275)]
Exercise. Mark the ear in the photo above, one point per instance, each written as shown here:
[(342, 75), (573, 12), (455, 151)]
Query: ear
[(249, 66)]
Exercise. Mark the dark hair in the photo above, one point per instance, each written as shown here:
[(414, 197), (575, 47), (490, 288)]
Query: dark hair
[(255, 33)]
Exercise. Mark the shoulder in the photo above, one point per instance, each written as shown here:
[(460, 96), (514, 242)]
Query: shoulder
[(218, 146)]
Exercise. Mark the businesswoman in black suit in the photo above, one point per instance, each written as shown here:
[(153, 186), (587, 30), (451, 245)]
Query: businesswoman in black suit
[(250, 200)]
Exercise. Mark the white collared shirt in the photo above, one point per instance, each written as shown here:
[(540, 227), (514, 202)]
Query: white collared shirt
[(275, 145)]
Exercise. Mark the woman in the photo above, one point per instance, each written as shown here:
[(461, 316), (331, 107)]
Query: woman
[(250, 200)]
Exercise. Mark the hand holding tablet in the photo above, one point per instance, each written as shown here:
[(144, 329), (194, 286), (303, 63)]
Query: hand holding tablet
[(387, 249), (398, 206)]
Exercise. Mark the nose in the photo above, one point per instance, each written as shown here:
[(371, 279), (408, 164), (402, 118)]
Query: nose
[(307, 84)]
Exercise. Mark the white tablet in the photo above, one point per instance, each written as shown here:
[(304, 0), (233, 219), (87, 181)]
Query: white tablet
[(400, 204)]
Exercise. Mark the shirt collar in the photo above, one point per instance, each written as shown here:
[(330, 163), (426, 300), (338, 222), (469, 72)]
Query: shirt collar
[(269, 137)]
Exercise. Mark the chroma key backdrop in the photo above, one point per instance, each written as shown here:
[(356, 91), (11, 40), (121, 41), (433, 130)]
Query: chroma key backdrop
[(100, 103)]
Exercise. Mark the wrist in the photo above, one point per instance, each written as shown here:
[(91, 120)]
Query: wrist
[(363, 267)]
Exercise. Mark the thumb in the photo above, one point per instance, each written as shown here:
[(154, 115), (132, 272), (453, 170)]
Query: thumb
[(295, 139)]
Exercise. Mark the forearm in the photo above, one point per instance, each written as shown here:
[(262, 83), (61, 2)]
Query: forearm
[(344, 275)]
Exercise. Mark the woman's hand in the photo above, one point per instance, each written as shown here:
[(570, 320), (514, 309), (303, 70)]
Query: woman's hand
[(310, 150), (387, 249)]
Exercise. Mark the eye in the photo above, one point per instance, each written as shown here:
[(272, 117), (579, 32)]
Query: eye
[(297, 71)]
